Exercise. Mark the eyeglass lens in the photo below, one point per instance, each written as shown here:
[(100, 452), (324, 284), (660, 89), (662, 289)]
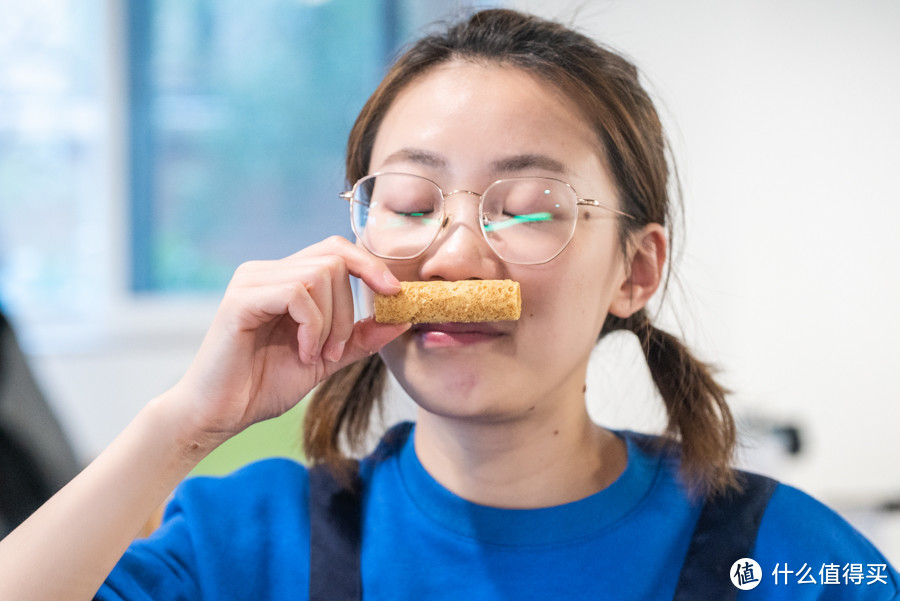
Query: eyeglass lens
[(525, 220)]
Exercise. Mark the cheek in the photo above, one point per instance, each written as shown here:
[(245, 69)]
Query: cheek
[(575, 296), (561, 323)]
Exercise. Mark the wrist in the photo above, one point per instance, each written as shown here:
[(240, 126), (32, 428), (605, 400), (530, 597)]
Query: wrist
[(172, 418)]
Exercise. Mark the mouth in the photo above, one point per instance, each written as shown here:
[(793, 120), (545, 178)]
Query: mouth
[(448, 335)]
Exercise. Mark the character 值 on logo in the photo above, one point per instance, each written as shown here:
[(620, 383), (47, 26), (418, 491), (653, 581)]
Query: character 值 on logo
[(745, 574)]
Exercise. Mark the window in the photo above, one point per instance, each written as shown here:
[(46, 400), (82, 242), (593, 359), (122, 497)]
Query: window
[(52, 155), (147, 148), (239, 117)]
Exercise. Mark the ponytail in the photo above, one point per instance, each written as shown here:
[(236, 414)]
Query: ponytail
[(699, 418), (343, 405)]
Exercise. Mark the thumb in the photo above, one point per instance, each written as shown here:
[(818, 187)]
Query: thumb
[(368, 338)]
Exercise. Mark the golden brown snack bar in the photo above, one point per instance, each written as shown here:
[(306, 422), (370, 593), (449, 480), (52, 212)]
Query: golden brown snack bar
[(440, 302)]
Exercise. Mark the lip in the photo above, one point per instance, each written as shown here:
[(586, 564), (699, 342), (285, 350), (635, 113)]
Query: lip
[(448, 335)]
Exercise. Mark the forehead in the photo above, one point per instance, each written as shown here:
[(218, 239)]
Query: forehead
[(480, 112)]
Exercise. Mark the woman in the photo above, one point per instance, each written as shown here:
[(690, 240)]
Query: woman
[(504, 488)]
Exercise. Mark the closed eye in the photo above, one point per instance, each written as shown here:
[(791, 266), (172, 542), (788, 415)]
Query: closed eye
[(512, 220)]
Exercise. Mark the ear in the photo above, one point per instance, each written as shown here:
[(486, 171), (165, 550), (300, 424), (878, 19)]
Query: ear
[(644, 270)]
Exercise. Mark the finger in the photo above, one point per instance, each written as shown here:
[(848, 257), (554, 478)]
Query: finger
[(254, 274), (341, 318), (308, 315), (368, 338), (320, 285), (328, 283), (360, 263), (255, 308)]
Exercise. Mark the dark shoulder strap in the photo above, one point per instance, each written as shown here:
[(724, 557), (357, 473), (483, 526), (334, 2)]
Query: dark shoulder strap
[(335, 532), (725, 532), (335, 526)]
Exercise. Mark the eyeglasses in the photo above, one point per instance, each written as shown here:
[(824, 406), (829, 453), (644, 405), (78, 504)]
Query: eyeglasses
[(525, 220)]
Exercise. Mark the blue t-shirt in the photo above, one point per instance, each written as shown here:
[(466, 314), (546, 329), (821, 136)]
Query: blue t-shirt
[(246, 536)]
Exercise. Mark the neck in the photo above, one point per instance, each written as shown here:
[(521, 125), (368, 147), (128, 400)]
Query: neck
[(526, 463)]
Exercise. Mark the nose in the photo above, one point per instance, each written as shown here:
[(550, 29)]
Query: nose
[(460, 251)]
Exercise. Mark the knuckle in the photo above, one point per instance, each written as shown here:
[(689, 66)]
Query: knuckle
[(318, 278), (297, 290), (335, 265), (244, 270), (248, 266), (308, 317), (336, 241)]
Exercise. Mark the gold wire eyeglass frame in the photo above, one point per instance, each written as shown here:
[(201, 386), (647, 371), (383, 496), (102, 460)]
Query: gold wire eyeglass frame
[(350, 197)]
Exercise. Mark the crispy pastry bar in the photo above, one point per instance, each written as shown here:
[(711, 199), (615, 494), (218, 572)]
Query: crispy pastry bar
[(440, 302)]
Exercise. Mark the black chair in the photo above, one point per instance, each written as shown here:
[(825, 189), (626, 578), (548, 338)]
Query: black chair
[(36, 458)]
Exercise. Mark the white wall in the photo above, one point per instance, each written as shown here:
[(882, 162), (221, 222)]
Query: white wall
[(784, 118)]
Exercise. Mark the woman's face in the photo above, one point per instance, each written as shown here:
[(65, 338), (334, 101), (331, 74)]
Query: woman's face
[(465, 125)]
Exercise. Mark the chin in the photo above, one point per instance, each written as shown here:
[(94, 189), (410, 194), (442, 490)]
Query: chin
[(477, 380), (463, 398), (469, 412)]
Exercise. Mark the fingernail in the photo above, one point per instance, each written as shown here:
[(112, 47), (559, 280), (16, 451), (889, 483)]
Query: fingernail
[(391, 280), (337, 351)]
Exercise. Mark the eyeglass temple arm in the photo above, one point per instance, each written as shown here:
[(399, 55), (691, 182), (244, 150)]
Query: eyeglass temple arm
[(596, 203), (348, 196)]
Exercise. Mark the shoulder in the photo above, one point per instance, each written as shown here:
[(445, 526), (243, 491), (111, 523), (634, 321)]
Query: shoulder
[(220, 537), (795, 528), (795, 519), (267, 488), (258, 477), (262, 505), (804, 538)]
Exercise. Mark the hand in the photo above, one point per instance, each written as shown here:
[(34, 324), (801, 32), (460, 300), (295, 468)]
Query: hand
[(282, 327)]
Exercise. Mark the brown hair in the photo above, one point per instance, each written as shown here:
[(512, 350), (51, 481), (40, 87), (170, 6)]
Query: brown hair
[(606, 88)]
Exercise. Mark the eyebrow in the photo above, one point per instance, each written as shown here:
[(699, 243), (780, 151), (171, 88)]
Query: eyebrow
[(524, 162), (511, 164), (417, 156)]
